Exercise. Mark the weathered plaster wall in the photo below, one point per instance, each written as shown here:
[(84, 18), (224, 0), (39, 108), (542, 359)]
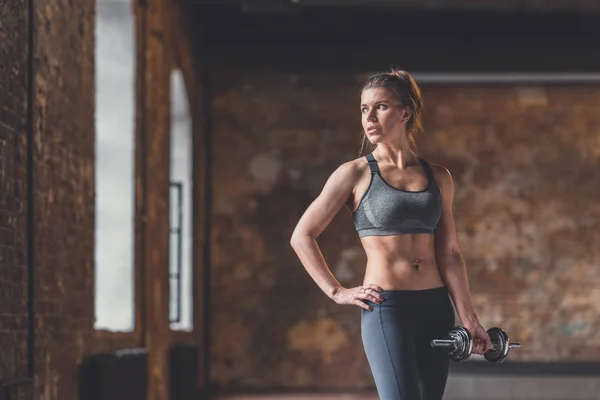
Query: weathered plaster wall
[(525, 164)]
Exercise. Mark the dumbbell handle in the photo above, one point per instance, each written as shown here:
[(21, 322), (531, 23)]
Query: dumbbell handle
[(514, 345), (444, 343)]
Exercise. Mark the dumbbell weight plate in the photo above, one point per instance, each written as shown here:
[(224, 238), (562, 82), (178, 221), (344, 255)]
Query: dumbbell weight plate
[(464, 344), (500, 345)]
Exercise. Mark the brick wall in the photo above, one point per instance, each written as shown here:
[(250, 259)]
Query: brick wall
[(64, 147), (64, 197), (523, 159), (13, 205), (64, 193)]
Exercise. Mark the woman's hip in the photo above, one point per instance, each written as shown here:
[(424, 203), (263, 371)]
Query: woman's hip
[(414, 310)]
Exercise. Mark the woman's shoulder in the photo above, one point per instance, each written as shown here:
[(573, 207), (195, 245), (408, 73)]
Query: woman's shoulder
[(441, 174), (356, 166), (351, 170)]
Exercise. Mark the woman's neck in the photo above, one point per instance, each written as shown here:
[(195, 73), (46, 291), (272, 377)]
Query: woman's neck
[(400, 154)]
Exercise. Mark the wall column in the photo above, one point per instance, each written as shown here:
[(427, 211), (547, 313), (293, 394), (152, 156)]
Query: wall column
[(152, 190)]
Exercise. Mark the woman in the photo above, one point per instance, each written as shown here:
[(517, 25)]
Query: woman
[(402, 210)]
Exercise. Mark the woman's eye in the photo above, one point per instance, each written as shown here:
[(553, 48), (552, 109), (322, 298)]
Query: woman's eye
[(363, 110), (381, 107)]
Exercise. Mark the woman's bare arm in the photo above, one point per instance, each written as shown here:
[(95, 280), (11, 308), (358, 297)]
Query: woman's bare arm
[(451, 263), (448, 255), (315, 219)]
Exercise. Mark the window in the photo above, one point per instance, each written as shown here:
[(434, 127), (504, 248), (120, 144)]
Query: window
[(115, 166), (180, 266)]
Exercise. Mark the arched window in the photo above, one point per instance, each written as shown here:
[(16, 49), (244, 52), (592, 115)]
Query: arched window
[(181, 207)]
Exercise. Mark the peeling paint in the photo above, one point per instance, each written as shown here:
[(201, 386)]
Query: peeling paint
[(295, 174), (303, 377), (233, 337), (323, 335), (343, 271), (265, 169), (532, 96)]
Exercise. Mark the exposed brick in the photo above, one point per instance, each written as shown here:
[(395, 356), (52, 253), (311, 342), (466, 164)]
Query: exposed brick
[(13, 269), (524, 162), (505, 147), (64, 208), (64, 196)]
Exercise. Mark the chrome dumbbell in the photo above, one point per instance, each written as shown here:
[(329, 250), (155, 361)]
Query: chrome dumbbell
[(459, 344), (501, 345)]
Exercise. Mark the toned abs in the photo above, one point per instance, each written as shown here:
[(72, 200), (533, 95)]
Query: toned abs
[(401, 262)]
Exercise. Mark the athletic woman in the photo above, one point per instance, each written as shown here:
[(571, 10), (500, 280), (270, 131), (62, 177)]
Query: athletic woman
[(402, 210)]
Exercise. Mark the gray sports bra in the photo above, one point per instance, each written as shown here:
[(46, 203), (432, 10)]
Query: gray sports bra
[(385, 210)]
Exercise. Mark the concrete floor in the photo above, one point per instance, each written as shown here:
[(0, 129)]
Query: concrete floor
[(302, 397), (479, 387)]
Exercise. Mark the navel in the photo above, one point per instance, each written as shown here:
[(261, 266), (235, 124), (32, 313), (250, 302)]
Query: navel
[(415, 264)]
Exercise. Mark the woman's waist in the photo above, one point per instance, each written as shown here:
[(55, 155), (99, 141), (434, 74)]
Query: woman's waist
[(400, 249), (429, 292), (398, 261), (422, 300), (403, 274)]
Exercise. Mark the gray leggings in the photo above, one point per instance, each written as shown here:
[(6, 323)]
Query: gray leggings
[(396, 336)]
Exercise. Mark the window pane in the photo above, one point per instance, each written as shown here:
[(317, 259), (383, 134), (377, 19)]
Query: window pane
[(181, 207), (115, 113)]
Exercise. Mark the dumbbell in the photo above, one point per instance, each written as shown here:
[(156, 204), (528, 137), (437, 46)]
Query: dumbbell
[(500, 345), (459, 344)]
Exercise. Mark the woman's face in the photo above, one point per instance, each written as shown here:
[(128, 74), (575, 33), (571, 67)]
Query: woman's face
[(383, 117)]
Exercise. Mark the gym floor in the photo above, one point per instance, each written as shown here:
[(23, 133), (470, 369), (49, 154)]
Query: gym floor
[(478, 387), (303, 397)]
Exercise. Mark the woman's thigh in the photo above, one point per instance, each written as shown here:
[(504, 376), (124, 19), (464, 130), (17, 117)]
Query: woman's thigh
[(388, 335), (433, 363)]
